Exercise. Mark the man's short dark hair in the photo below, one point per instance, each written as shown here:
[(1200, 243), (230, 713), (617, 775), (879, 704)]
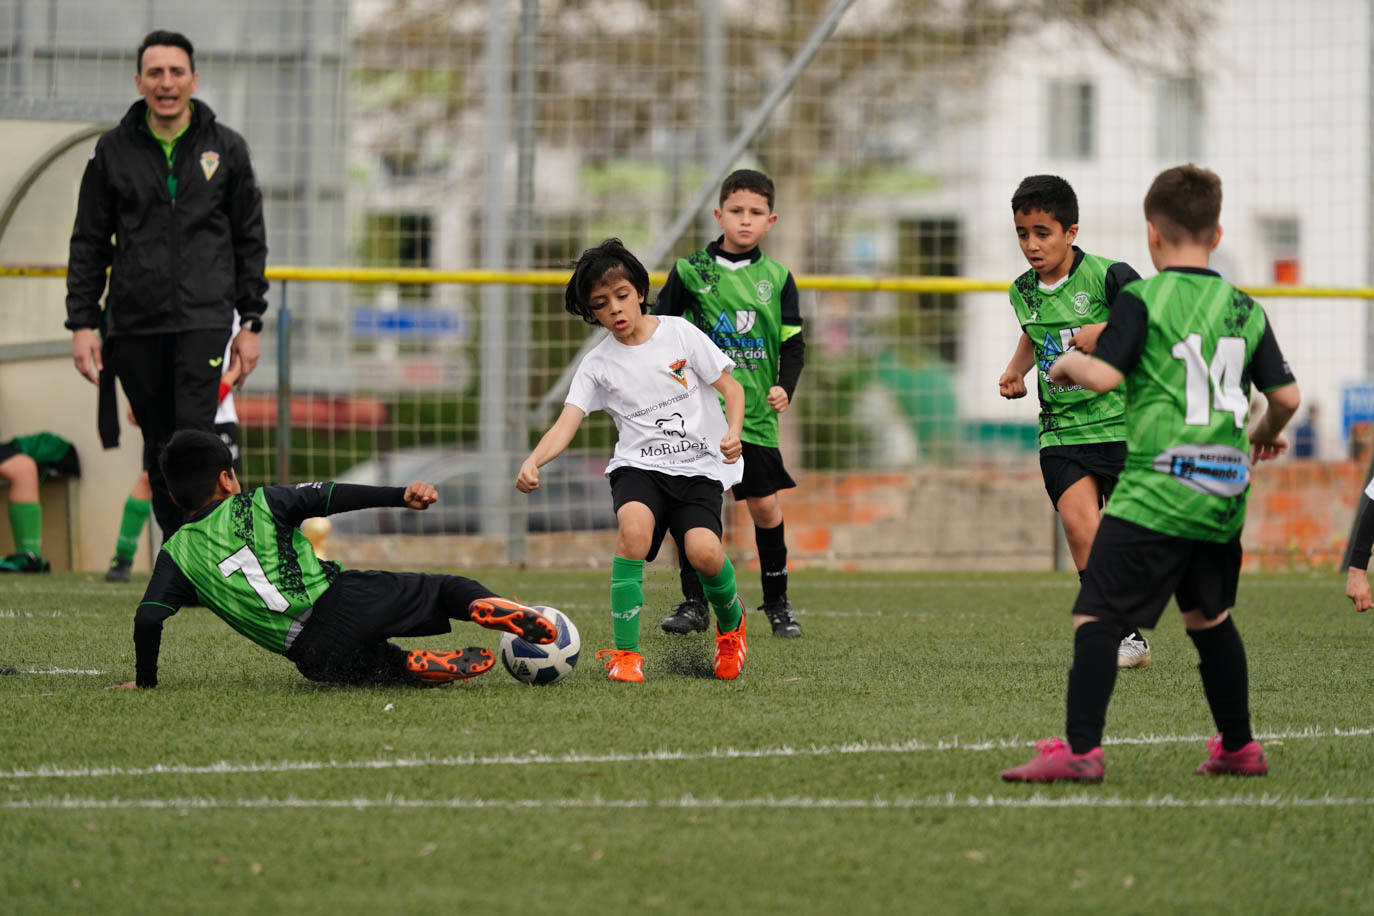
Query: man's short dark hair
[(1050, 193), (747, 180), (607, 261), (168, 39), (191, 463), (1184, 203)]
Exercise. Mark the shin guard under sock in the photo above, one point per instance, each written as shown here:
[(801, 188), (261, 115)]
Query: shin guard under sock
[(627, 597), (723, 594), (1091, 680), (131, 526), (1225, 681), (26, 521), (772, 546)]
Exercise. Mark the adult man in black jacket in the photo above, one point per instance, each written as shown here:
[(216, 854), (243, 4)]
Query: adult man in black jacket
[(175, 191)]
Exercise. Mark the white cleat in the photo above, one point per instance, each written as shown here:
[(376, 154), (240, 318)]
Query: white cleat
[(1134, 652)]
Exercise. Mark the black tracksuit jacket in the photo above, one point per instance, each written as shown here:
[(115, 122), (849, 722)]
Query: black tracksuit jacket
[(175, 265)]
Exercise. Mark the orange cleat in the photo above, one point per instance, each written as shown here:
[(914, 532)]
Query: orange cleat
[(512, 617), (731, 650), (623, 664), (432, 667)]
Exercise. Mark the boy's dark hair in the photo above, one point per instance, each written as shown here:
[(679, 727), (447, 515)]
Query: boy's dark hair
[(191, 463), (1184, 203), (747, 180), (609, 260), (1050, 193), (168, 39)]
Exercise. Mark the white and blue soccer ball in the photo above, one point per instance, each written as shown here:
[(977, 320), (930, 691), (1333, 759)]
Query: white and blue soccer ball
[(546, 663)]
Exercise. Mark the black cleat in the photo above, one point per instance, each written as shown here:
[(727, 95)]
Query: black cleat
[(27, 562), (691, 615), (119, 570), (782, 618)]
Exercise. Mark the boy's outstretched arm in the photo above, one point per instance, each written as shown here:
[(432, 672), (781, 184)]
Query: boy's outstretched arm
[(1357, 577), (733, 392), (293, 505), (1012, 384), (1080, 369), (167, 592), (550, 446), (1267, 438)]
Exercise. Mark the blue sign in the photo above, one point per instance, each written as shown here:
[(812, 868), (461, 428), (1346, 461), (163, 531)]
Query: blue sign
[(1357, 406), (409, 321)]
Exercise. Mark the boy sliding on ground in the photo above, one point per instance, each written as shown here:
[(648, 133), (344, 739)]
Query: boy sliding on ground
[(1187, 344), (675, 453), (747, 304), (243, 557), (1062, 302)]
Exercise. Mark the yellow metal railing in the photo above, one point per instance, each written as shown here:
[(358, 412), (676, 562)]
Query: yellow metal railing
[(894, 284)]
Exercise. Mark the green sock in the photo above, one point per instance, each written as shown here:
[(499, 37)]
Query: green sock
[(724, 596), (26, 520), (131, 526), (627, 597)]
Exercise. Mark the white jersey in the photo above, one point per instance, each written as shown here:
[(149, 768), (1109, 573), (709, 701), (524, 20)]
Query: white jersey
[(659, 394)]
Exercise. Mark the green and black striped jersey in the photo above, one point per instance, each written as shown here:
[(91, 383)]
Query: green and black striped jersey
[(246, 559), (1190, 345), (748, 305), (1071, 414)]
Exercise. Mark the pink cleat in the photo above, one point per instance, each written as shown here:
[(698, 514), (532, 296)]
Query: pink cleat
[(1248, 761), (1057, 762)]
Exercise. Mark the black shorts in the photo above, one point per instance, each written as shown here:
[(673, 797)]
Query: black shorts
[(345, 639), (679, 504), (1132, 572), (764, 473), (229, 434), (1062, 466), (7, 452)]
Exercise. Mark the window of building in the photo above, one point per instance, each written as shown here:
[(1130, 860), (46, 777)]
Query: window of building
[(1282, 243), (1179, 118), (1073, 119), (930, 322)]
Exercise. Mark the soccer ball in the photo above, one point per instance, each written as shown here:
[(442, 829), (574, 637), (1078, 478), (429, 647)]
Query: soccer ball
[(548, 663)]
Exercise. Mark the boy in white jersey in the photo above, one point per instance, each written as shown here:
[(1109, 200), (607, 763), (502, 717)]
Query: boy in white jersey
[(676, 453)]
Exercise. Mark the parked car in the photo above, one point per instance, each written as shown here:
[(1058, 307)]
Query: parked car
[(573, 494)]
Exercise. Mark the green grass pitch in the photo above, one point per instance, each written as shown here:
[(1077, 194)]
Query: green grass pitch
[(852, 771)]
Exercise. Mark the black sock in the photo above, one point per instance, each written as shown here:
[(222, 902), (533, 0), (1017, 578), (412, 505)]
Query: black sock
[(692, 589), (1225, 680), (1090, 683), (772, 547)]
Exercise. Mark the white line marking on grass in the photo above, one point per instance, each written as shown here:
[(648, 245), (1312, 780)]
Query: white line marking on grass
[(60, 671), (1038, 800), (224, 767)]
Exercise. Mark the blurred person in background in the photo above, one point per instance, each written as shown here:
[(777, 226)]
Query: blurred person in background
[(170, 206)]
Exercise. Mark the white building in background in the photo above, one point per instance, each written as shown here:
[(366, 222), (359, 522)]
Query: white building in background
[(1280, 108)]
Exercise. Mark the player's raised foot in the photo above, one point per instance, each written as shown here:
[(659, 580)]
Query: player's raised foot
[(1134, 652), (119, 570), (782, 618), (1055, 762), (431, 667), (689, 616), (26, 562), (1248, 761), (623, 665), (512, 617), (731, 651)]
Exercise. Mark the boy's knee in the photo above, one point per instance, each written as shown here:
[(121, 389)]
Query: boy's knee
[(704, 551), (19, 469)]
